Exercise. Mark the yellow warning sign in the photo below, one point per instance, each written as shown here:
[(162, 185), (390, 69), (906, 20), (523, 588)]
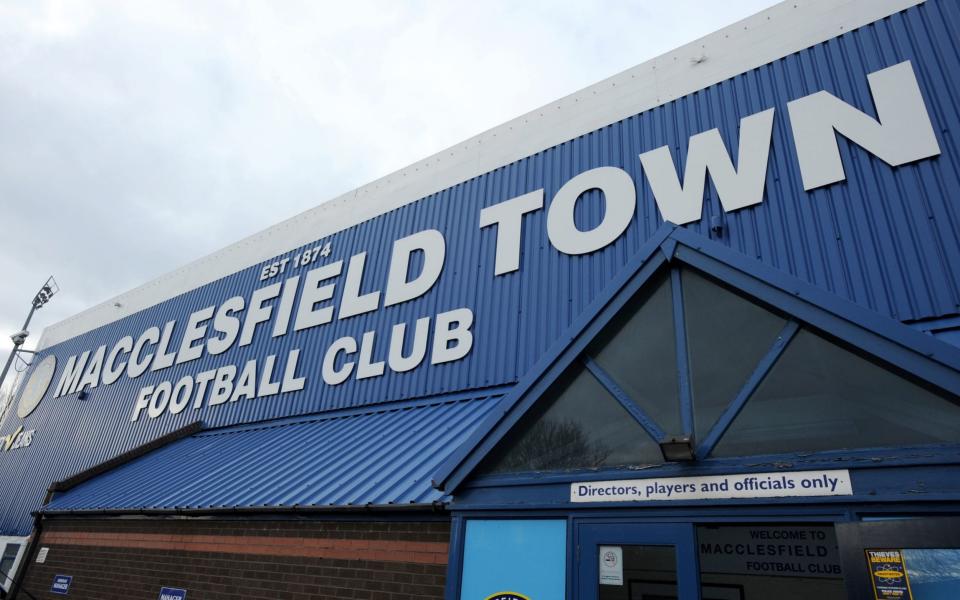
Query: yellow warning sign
[(888, 572)]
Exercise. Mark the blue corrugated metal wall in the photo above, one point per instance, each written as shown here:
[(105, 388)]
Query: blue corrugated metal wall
[(886, 239)]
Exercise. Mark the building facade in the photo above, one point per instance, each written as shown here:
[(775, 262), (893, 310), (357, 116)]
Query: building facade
[(691, 332)]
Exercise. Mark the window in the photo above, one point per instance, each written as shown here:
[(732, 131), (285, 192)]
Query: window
[(820, 396), (785, 387), (580, 423), (727, 335), (6, 563), (639, 353), (580, 426)]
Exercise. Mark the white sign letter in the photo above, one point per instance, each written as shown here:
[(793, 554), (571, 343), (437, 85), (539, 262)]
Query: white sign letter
[(194, 332), (353, 303), (314, 293), (737, 188), (331, 376), (258, 313), (111, 370), (620, 197), (226, 324), (508, 217), (143, 399), (434, 248), (71, 375), (902, 132), (452, 326), (400, 363)]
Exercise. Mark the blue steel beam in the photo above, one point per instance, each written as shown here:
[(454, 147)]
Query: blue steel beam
[(759, 372), (683, 358), (638, 414)]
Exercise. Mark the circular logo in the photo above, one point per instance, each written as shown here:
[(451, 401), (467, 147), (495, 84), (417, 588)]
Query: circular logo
[(507, 596), (610, 559), (889, 574), (36, 386)]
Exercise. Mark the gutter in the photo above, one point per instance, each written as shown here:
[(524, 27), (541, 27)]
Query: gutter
[(122, 459), (434, 507)]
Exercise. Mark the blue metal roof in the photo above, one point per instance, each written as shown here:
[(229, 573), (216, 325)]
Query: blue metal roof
[(382, 457)]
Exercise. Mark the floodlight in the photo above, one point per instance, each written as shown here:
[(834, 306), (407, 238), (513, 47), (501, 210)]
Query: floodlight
[(678, 449)]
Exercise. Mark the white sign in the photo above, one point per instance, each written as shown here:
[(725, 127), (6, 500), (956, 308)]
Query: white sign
[(36, 386), (715, 487), (783, 551), (611, 565), (42, 555)]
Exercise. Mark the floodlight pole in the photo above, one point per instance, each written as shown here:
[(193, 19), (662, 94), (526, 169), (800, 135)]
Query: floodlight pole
[(18, 340), (46, 292)]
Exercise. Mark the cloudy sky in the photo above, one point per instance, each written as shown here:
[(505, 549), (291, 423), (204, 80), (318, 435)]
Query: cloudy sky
[(137, 136)]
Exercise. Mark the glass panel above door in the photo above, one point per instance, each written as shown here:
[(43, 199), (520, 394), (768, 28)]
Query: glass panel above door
[(578, 425), (638, 351), (727, 335), (620, 397), (820, 396)]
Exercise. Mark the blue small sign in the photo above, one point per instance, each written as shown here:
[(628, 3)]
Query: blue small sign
[(61, 584), (172, 594)]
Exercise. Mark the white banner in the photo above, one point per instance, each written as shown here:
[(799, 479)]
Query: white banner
[(715, 487)]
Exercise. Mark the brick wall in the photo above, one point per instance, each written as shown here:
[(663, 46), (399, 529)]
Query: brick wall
[(219, 560)]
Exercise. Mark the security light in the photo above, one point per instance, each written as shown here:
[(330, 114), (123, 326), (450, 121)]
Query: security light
[(678, 449)]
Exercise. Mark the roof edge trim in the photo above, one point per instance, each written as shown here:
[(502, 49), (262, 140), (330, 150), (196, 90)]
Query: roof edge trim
[(121, 459), (432, 507)]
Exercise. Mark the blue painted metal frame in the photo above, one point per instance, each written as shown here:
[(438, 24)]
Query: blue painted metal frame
[(646, 516), (679, 535), (683, 359), (657, 521), (918, 354), (873, 484), (925, 358), (862, 459), (571, 556), (712, 513), (641, 417), (760, 371), (458, 527)]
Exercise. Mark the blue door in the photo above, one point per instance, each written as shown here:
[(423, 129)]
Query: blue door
[(656, 561)]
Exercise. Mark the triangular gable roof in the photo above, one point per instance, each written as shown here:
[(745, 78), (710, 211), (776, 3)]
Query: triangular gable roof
[(918, 354)]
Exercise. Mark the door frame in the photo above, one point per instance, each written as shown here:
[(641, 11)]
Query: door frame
[(590, 535), (840, 514)]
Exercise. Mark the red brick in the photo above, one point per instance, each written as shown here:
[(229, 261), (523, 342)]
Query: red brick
[(263, 559)]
